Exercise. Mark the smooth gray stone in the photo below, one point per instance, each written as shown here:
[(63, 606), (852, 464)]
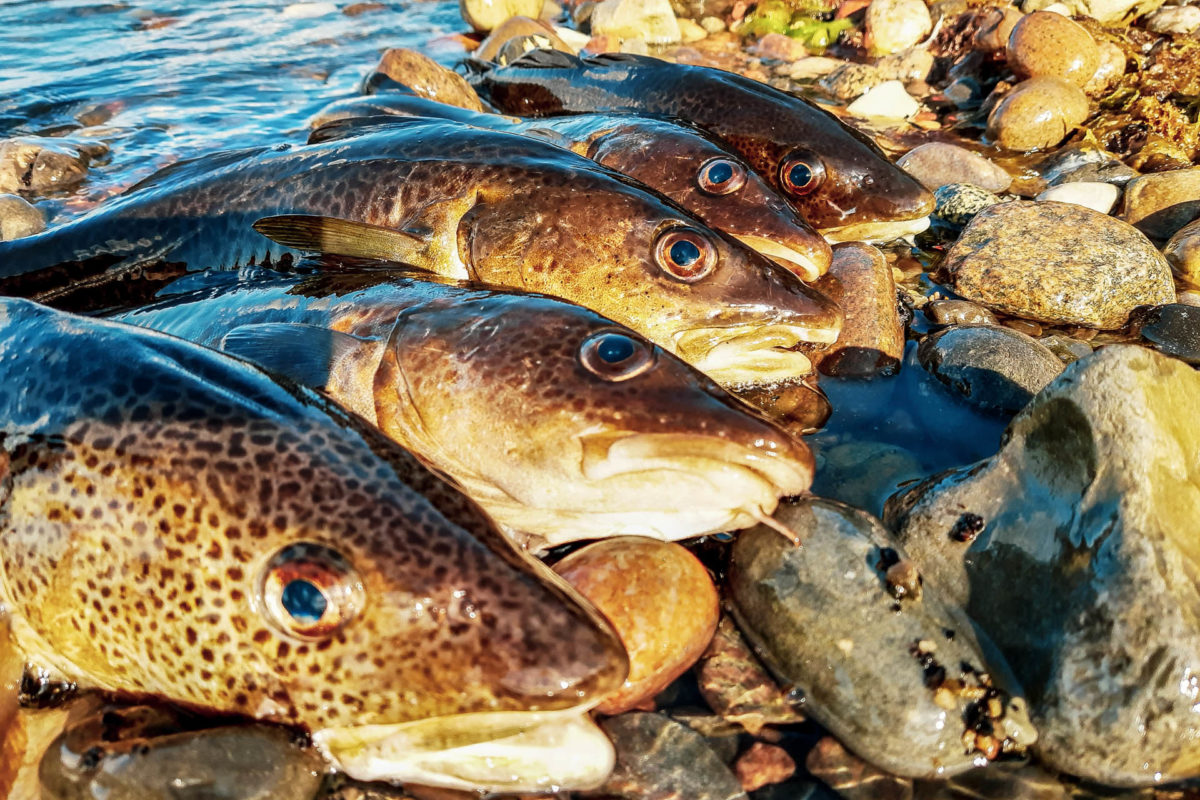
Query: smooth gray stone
[(992, 367)]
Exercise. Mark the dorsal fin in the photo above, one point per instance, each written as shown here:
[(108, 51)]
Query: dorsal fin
[(544, 57), (302, 353), (604, 59), (343, 237)]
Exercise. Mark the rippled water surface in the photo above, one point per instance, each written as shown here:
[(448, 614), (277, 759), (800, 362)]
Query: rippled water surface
[(159, 80)]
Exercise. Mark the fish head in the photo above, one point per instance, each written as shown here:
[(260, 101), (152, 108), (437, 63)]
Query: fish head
[(567, 426), (196, 533), (645, 263), (715, 185)]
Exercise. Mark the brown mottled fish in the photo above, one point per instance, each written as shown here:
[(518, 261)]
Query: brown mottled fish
[(464, 203), (560, 423), (836, 177), (175, 524), (679, 162)]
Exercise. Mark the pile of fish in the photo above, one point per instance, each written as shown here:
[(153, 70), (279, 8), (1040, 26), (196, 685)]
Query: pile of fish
[(300, 444)]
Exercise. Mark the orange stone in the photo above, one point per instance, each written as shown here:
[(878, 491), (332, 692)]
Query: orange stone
[(658, 597)]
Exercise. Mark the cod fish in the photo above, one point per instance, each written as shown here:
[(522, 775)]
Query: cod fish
[(461, 202), (836, 177), (175, 524), (679, 162), (561, 424)]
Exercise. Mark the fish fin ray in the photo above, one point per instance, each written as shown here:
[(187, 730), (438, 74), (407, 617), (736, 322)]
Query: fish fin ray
[(548, 58), (347, 127), (302, 353), (343, 237)]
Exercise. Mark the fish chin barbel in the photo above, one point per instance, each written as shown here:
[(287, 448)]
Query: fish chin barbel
[(176, 524)]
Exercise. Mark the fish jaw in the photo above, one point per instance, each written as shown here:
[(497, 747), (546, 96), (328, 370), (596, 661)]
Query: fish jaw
[(488, 751), (876, 232), (808, 264), (749, 354)]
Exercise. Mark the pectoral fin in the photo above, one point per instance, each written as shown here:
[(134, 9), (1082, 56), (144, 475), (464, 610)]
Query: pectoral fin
[(344, 237), (302, 353)]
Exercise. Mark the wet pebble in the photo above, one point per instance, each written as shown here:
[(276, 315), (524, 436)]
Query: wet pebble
[(958, 312), (1037, 113), (899, 681), (660, 758), (1175, 330), (1108, 73), (1087, 164), (516, 36), (1086, 511), (851, 777), (895, 25), (1048, 44), (1067, 350), (1183, 253), (956, 204), (995, 28), (652, 21), (485, 15), (779, 47), (1057, 263), (691, 31), (1160, 204), (1100, 197), (427, 78), (907, 66), (762, 765), (1174, 19), (18, 218), (737, 687), (849, 80), (38, 165), (872, 338), (864, 474), (993, 368), (936, 164), (661, 602)]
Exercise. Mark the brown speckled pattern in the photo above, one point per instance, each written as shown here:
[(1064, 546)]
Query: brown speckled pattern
[(150, 480)]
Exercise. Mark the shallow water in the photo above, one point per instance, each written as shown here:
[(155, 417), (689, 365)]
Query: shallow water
[(160, 80)]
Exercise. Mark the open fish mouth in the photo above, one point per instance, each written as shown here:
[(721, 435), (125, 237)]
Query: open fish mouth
[(749, 355), (501, 751), (876, 232), (802, 264)]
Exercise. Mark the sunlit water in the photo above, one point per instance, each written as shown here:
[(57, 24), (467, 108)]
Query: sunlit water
[(160, 80)]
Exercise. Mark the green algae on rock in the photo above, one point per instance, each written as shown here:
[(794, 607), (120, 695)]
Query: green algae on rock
[(1074, 548), (1058, 263)]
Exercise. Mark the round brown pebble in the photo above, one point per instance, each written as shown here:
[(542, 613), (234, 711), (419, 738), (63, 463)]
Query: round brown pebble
[(658, 597), (762, 765), (1045, 43), (1037, 113)]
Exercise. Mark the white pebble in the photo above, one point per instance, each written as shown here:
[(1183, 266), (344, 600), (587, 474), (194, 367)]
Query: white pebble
[(1174, 19), (888, 99), (309, 10), (1094, 195), (574, 39)]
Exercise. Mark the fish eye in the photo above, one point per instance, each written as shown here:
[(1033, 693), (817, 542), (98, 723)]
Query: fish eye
[(685, 254), (720, 176), (309, 591), (616, 356), (801, 174)]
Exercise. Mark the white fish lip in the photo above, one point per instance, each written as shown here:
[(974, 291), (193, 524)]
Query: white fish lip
[(876, 232), (752, 354), (501, 751), (794, 260)]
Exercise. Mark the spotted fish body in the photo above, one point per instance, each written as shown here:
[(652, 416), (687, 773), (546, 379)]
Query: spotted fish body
[(673, 159), (502, 392), (853, 184), (463, 203), (154, 492)]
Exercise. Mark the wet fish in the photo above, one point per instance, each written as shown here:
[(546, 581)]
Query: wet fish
[(560, 423), (682, 163), (175, 524), (838, 180), (462, 202)]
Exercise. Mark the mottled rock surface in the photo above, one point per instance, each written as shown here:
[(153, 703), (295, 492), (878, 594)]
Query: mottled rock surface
[(484, 15), (895, 25), (958, 312), (737, 687), (1175, 330), (937, 163), (993, 368), (884, 665), (1160, 204), (427, 78), (1037, 113), (1059, 263), (872, 337), (18, 218), (1045, 43), (659, 599), (652, 21), (956, 204), (37, 165), (1074, 547), (1183, 253)]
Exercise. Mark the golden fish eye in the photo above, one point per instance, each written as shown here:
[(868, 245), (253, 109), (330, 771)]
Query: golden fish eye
[(685, 254), (801, 174), (616, 356), (309, 591), (719, 176)]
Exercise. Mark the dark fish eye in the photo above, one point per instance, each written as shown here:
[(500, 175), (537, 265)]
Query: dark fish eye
[(309, 591), (616, 356), (720, 176), (801, 174), (685, 254)]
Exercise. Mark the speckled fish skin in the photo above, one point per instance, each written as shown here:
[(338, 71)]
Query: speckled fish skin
[(762, 123), (666, 156), (486, 205), (148, 482), (489, 387)]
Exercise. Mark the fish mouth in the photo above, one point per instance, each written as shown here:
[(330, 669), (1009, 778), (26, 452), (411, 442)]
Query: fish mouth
[(876, 232), (802, 264), (752, 355), (498, 751)]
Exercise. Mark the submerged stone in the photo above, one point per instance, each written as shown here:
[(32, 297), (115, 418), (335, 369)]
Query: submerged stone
[(993, 368)]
